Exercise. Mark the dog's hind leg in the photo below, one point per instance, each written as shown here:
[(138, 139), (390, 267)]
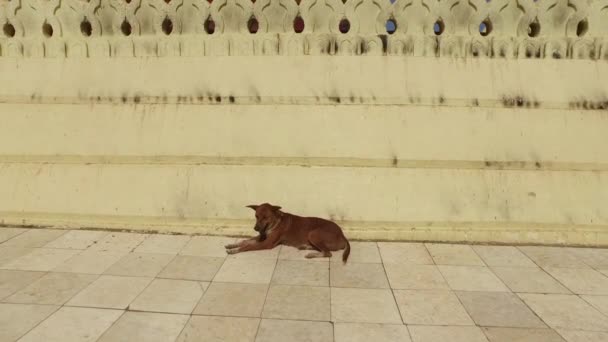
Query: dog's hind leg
[(315, 240), (306, 248), (317, 255)]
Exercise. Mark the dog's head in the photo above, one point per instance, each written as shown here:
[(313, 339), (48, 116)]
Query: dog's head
[(266, 217)]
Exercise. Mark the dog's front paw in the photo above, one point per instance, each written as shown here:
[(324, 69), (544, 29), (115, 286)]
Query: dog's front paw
[(232, 251), (231, 246)]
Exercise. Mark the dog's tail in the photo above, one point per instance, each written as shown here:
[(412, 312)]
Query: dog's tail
[(346, 251)]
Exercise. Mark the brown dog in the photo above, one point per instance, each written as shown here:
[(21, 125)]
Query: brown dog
[(279, 228)]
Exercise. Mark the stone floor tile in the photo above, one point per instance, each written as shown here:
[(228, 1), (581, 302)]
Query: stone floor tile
[(581, 280), (604, 272), (140, 265), (521, 335), (73, 325), (421, 333), (9, 233), (110, 292), (290, 272), (566, 312), (368, 332), (41, 259), (431, 307), (446, 254), (472, 278), (504, 256), (169, 295), (119, 242), (584, 336), (219, 329), (52, 288), (527, 279), (165, 244), (8, 254), (255, 271), (294, 254), (594, 257), (188, 267), (34, 238), (145, 326), (208, 246), (91, 262), (363, 306), (499, 309), (297, 302), (18, 319), (294, 331), (598, 302), (404, 253), (360, 252), (415, 277), (232, 299), (77, 239), (367, 276), (13, 281), (545, 256)]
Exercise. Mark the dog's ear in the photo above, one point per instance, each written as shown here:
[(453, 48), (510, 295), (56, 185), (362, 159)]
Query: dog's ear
[(253, 206), (276, 208)]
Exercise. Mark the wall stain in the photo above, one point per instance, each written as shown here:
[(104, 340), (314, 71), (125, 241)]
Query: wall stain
[(335, 99), (384, 40)]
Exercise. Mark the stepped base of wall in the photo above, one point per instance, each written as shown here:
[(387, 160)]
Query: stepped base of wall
[(497, 233)]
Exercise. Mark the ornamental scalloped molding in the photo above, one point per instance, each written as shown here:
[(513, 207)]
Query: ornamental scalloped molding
[(566, 28)]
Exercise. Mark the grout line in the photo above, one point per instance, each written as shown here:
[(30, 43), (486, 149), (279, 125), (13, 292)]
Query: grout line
[(543, 270), (428, 252), (128, 308), (14, 236), (559, 334), (260, 318), (453, 291), (124, 312), (393, 291), (485, 264), (81, 290), (184, 327), (266, 318), (164, 267), (41, 321), (549, 274), (263, 306), (184, 245), (596, 269), (44, 273), (591, 305)]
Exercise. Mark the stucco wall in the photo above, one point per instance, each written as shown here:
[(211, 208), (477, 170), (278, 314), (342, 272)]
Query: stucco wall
[(430, 141)]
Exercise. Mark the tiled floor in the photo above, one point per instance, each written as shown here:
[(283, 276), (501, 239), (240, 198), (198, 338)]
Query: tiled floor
[(58, 285)]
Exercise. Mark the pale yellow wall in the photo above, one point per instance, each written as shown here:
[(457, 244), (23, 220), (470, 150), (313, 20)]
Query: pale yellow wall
[(420, 144)]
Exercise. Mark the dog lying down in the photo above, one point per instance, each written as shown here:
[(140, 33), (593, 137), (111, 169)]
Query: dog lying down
[(279, 228)]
